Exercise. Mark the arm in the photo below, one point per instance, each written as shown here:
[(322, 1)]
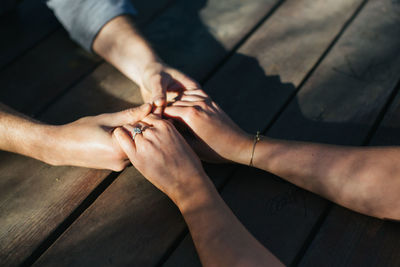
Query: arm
[(87, 142), (107, 27), (121, 44), (166, 160), (20, 134), (364, 179), (219, 237)]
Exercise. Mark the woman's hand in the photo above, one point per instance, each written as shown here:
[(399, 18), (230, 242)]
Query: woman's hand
[(162, 155), (210, 123), (89, 142)]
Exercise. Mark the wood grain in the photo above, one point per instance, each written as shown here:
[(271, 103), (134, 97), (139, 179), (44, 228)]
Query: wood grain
[(280, 215), (139, 224), (103, 91), (48, 70), (35, 198), (347, 238), (70, 237), (24, 27)]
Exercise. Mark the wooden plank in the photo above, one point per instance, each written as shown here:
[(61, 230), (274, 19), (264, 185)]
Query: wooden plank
[(35, 197), (347, 238), (280, 215), (23, 27), (32, 21), (121, 90), (49, 69), (371, 54), (97, 88), (109, 248), (366, 241)]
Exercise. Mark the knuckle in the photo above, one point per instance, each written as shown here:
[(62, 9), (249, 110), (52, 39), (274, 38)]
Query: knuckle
[(193, 111), (202, 104), (163, 125), (150, 132)]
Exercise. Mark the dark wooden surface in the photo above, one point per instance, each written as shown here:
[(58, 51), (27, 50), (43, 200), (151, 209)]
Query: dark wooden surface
[(325, 71)]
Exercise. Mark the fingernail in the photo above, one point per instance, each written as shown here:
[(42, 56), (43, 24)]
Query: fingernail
[(159, 102)]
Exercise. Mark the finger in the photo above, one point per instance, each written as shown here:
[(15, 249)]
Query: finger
[(126, 143), (181, 103), (141, 125), (158, 91), (158, 110), (179, 112), (192, 98), (127, 116), (159, 100), (197, 91), (151, 119)]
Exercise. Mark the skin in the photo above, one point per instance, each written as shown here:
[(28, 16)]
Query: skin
[(364, 179), (121, 44), (87, 142), (162, 155)]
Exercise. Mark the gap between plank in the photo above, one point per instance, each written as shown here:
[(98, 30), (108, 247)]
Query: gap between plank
[(185, 231), (57, 97), (31, 47), (208, 76), (45, 244), (60, 229), (316, 65), (236, 47), (91, 198), (375, 126), (321, 219)]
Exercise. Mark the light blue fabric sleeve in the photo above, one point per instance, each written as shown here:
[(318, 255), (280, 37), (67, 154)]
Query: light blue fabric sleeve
[(83, 19)]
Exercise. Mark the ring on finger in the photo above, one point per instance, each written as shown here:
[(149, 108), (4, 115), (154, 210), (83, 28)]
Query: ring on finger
[(136, 130)]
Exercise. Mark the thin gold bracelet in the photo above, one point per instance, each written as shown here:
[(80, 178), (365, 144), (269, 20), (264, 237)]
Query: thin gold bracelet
[(256, 139)]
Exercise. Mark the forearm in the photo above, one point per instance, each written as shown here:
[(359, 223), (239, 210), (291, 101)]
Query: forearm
[(20, 134), (121, 44), (363, 179), (219, 237)]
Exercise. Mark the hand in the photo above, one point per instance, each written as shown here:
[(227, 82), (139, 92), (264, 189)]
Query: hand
[(162, 155), (210, 123), (158, 79), (89, 142)]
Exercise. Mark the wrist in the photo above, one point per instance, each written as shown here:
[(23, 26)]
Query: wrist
[(46, 147), (194, 194), (241, 152), (36, 144), (121, 44)]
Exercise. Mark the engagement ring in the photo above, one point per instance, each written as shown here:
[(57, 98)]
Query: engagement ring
[(136, 131)]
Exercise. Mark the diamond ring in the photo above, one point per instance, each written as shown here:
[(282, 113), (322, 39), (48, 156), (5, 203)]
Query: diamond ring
[(136, 131)]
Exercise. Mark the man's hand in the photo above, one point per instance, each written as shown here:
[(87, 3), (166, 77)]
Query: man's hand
[(159, 79), (121, 44), (89, 142)]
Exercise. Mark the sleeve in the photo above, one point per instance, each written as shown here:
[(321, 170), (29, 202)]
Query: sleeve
[(83, 19)]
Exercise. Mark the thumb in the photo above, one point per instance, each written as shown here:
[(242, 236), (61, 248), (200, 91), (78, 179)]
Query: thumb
[(125, 142), (158, 93), (127, 116)]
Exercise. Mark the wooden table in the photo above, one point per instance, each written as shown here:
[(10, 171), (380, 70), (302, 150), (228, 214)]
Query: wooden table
[(317, 70)]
